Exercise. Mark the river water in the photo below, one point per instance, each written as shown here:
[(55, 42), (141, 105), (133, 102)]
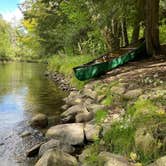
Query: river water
[(24, 92)]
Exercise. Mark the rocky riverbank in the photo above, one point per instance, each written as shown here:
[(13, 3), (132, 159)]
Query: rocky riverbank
[(117, 120), (60, 79)]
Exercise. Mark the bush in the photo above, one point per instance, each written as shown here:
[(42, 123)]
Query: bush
[(64, 64)]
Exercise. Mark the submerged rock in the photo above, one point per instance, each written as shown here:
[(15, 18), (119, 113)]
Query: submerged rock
[(71, 134), (39, 120), (56, 158)]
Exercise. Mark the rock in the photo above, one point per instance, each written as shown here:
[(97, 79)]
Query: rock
[(132, 94), (95, 107), (110, 159), (91, 132), (84, 117), (85, 153), (40, 120), (74, 98), (25, 134), (118, 90), (69, 115), (75, 101), (100, 98), (2, 143), (90, 93), (55, 144), (64, 107), (68, 119), (88, 101), (74, 110), (56, 158), (33, 151), (89, 86), (159, 162), (71, 134), (144, 141), (106, 127)]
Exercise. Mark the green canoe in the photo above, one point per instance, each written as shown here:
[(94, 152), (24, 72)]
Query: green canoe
[(96, 68)]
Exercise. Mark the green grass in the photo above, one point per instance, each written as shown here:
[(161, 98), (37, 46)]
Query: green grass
[(64, 64), (100, 116), (142, 114)]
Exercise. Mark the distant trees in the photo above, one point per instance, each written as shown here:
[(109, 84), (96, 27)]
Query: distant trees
[(7, 38)]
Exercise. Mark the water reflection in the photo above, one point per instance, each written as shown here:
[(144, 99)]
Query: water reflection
[(24, 92)]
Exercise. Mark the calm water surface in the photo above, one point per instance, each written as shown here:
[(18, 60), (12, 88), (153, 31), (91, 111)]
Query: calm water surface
[(24, 91)]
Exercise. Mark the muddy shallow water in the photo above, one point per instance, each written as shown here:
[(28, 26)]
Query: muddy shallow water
[(24, 92)]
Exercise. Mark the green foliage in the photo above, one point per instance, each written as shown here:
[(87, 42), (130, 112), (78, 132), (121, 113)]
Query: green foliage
[(91, 154), (100, 116), (6, 37), (120, 138), (64, 64), (163, 33), (108, 100)]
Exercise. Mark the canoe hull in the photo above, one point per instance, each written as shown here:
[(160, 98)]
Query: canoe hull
[(87, 72)]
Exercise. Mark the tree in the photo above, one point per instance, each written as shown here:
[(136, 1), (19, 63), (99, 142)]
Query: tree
[(152, 27), (138, 17)]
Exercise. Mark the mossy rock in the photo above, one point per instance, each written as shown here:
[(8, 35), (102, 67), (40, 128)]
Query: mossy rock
[(145, 142)]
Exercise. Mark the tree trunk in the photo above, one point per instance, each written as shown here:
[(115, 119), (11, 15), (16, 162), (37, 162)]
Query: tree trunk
[(135, 34), (139, 16), (124, 32), (152, 27)]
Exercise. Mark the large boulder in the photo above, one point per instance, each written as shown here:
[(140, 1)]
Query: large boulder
[(91, 132), (110, 159), (55, 144), (39, 120), (58, 158), (71, 134), (159, 162)]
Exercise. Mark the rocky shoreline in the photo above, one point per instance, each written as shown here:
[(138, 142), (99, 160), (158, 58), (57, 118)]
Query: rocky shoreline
[(80, 127), (77, 128), (60, 80)]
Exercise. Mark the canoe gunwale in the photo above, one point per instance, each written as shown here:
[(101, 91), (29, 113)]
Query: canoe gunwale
[(90, 63)]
